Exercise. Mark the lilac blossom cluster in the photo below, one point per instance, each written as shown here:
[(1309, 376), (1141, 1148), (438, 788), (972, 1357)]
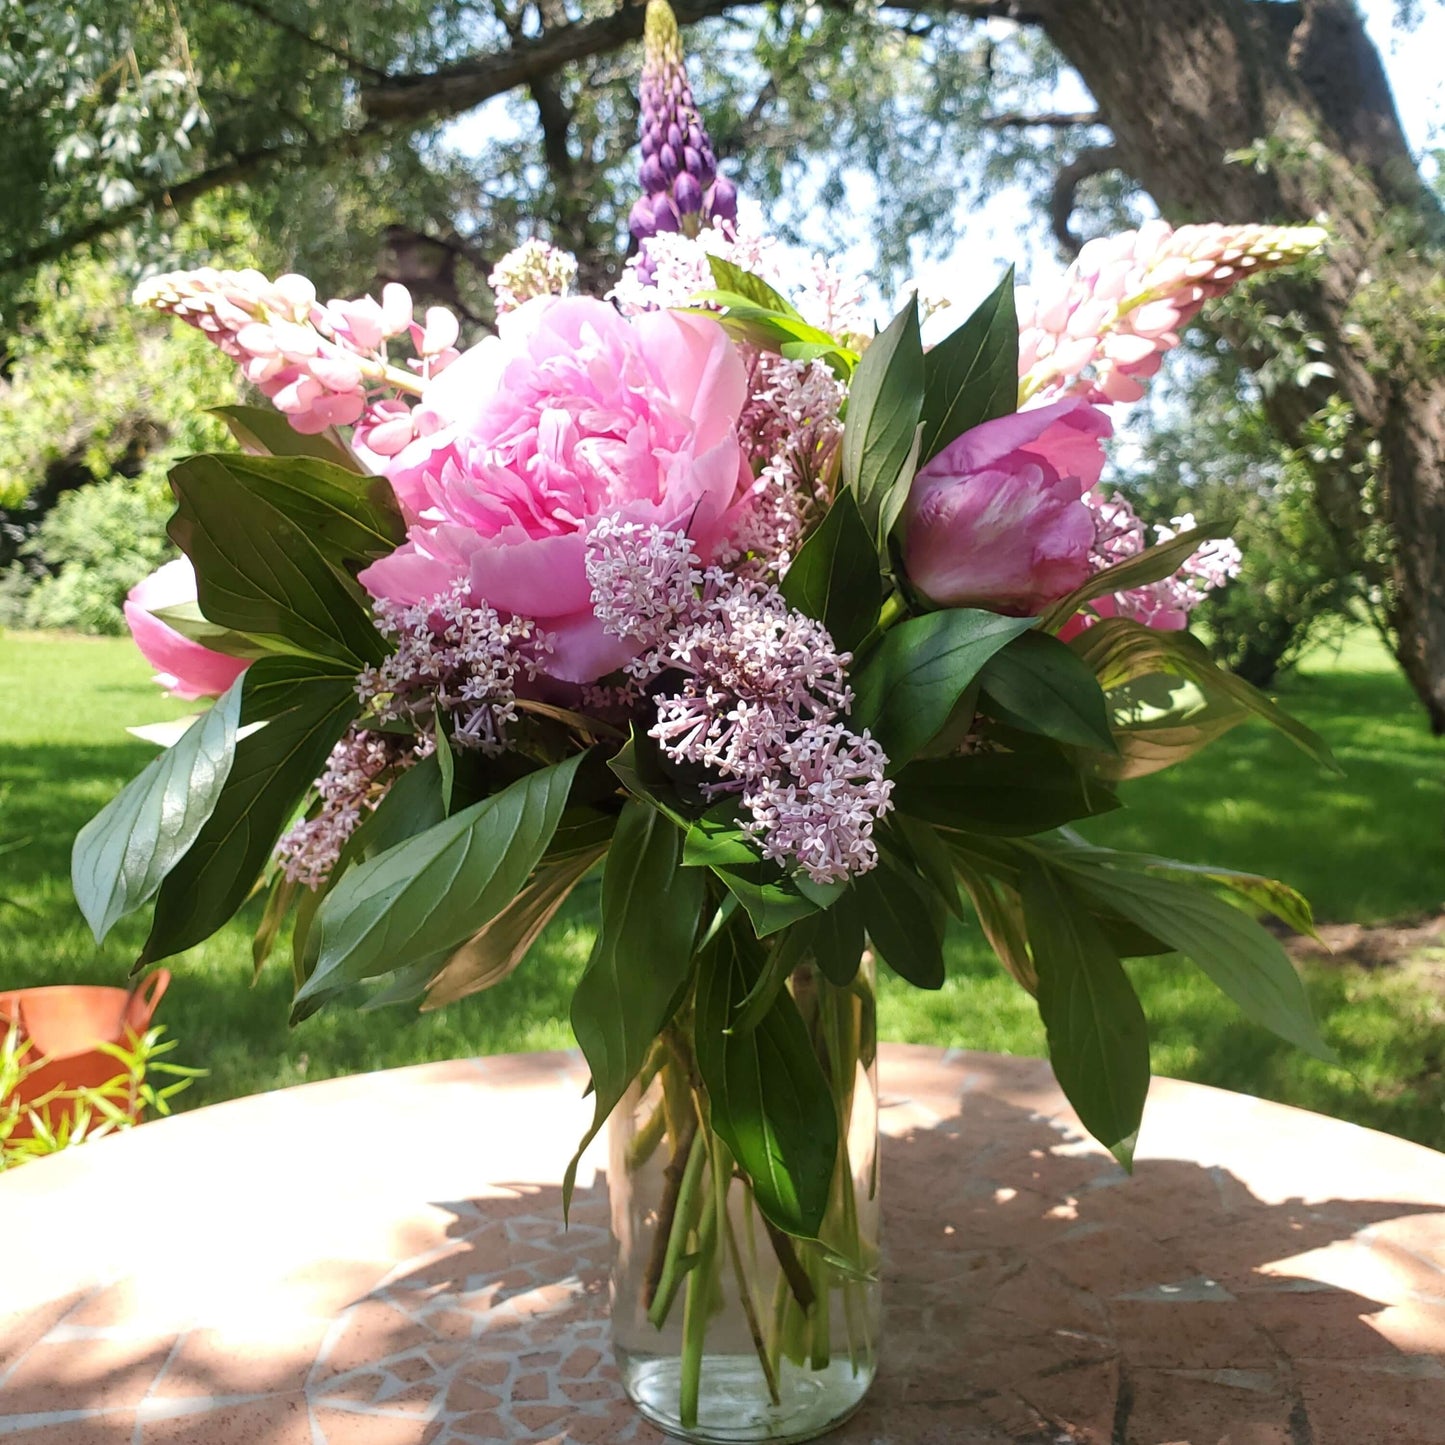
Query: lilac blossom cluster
[(530, 270), (791, 427), (321, 365), (1120, 534), (454, 657), (750, 690), (358, 774)]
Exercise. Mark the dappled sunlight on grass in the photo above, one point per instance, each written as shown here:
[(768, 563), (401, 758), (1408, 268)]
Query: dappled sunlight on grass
[(1364, 847)]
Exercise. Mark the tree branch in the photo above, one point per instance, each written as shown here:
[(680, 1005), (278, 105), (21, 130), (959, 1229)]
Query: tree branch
[(299, 32), (1057, 118), (410, 101), (1092, 161)]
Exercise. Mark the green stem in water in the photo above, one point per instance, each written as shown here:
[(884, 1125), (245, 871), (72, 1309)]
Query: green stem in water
[(671, 1273), (722, 1167), (697, 1306)]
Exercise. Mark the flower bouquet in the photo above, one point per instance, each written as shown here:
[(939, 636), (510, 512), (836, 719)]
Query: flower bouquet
[(807, 638)]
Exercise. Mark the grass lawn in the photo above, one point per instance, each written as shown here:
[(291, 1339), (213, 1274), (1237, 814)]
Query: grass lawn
[(1366, 848)]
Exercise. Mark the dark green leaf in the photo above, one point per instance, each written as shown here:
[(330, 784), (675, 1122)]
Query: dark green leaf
[(881, 429), (904, 918), (259, 572), (906, 692), (122, 855), (305, 708), (431, 892), (502, 944), (834, 577), (1244, 960), (446, 763), (264, 430), (1039, 685), (767, 1096), (1098, 1038), (925, 850), (1119, 650), (641, 961), (351, 519), (972, 375), (1011, 794)]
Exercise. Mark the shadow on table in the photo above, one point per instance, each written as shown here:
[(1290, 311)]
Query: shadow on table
[(1034, 1296)]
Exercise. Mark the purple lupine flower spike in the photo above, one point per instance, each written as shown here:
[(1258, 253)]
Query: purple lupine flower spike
[(682, 189)]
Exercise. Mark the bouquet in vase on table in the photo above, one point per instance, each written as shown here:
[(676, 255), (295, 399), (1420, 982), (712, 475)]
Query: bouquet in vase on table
[(804, 637)]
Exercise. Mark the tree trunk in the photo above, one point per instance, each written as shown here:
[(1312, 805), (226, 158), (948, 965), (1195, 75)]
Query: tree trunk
[(1182, 84)]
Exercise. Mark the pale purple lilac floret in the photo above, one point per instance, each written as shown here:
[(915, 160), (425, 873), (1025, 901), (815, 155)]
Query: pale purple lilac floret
[(455, 656), (750, 690), (360, 770), (1120, 534)]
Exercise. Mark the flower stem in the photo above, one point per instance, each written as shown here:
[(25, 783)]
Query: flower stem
[(674, 1223), (722, 1167), (697, 1306)]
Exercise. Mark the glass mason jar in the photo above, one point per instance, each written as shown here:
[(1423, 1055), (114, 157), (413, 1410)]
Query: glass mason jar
[(724, 1328)]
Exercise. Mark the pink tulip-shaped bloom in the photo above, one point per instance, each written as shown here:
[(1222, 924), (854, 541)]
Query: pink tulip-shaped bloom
[(997, 519), (183, 667), (572, 413)]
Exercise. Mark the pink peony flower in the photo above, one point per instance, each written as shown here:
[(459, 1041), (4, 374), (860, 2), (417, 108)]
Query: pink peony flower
[(571, 414), (183, 667), (997, 519)]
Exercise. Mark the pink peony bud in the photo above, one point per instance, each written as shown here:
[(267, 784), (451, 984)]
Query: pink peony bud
[(183, 667), (997, 519)]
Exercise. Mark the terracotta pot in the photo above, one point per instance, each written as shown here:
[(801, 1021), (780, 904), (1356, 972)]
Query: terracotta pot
[(64, 1024)]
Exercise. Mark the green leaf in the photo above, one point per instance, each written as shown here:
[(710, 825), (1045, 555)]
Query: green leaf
[(305, 708), (431, 892), (925, 851), (1009, 794), (734, 279), (259, 572), (772, 898), (1039, 685), (1153, 564), (972, 375), (767, 1096), (187, 619), (1098, 1037), (122, 855), (446, 763), (411, 805), (834, 577), (1001, 917), (904, 918), (1120, 650), (837, 939), (351, 519), (502, 944), (641, 962), (908, 688), (1154, 744), (279, 898), (881, 430), (716, 839), (264, 429), (1245, 961)]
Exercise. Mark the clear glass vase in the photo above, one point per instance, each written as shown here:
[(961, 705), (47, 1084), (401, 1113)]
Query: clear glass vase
[(725, 1329)]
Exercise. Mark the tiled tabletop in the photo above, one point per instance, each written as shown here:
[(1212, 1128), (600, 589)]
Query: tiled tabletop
[(381, 1261)]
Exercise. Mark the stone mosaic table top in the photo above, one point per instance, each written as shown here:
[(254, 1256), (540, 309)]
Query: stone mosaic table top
[(381, 1261)]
